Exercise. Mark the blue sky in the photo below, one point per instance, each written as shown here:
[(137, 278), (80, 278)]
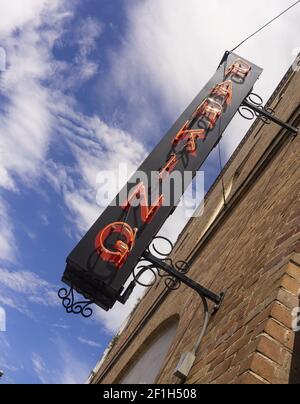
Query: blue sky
[(90, 84)]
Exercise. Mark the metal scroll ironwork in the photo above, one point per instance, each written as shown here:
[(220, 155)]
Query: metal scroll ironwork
[(253, 107), (157, 264), (157, 272), (249, 113), (75, 307), (174, 273)]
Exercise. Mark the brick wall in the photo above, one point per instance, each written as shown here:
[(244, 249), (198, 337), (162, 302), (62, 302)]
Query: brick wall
[(253, 250)]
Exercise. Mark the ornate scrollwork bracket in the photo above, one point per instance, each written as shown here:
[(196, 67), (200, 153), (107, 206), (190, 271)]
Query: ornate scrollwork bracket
[(174, 273), (153, 262), (72, 307), (253, 107)]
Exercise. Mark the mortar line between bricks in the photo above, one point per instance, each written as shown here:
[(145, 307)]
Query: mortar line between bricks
[(258, 377), (266, 335), (286, 290), (281, 304), (268, 359), (281, 325)]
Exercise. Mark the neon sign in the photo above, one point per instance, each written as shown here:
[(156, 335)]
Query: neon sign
[(211, 109), (111, 249)]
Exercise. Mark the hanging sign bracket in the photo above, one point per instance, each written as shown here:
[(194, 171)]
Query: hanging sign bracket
[(252, 107)]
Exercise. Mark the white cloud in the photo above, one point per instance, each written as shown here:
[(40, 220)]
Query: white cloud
[(19, 288), (44, 220), (40, 368), (90, 343), (36, 114), (34, 81), (73, 370), (172, 48), (86, 36), (26, 118), (47, 299), (9, 362), (8, 247), (96, 147), (61, 326), (33, 89), (18, 13), (7, 301), (22, 282), (65, 368), (85, 64), (119, 315)]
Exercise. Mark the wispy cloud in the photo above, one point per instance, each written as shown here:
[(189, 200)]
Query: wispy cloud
[(17, 13), (61, 326), (90, 343), (9, 363), (170, 50), (26, 118), (96, 147), (74, 370), (8, 245), (82, 40), (40, 368), (68, 368), (44, 219), (20, 288)]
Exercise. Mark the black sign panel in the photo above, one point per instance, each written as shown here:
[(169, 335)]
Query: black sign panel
[(104, 259)]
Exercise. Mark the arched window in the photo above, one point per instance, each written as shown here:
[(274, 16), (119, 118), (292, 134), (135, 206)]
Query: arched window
[(145, 368)]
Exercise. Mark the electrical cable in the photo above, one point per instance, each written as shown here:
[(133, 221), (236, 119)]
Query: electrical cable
[(206, 309), (219, 144), (266, 25), (221, 168), (204, 328)]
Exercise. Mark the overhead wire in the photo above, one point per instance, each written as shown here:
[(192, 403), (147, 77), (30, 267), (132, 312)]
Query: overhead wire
[(266, 25)]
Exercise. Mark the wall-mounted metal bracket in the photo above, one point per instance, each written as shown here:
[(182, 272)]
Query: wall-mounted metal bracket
[(173, 273), (182, 278), (162, 267), (252, 107)]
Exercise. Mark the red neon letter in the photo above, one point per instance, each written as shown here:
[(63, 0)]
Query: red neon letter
[(122, 248), (169, 167), (239, 69), (224, 91), (190, 136), (147, 212), (211, 110)]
